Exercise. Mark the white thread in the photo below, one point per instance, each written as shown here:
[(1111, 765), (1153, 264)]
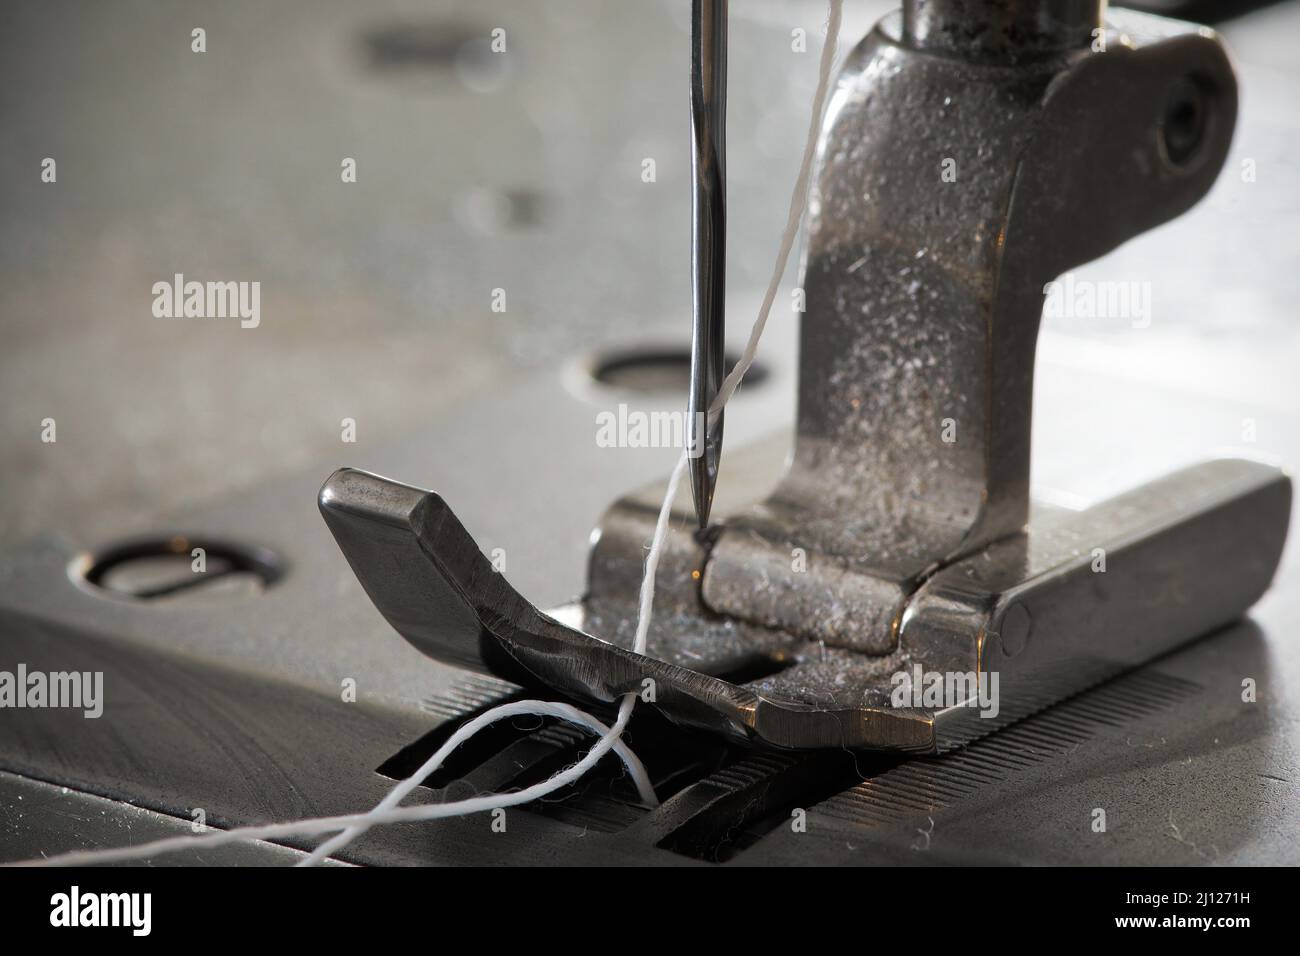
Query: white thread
[(652, 559), (386, 811), (353, 825), (798, 203), (362, 821), (612, 734), (542, 708)]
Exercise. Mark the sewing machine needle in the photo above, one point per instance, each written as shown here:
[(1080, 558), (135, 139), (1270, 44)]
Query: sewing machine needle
[(708, 243)]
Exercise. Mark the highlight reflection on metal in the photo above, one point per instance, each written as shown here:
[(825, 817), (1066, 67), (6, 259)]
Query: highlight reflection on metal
[(902, 534), (708, 242)]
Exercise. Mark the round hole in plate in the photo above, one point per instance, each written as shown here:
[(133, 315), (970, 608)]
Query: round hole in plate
[(657, 370), (179, 566)]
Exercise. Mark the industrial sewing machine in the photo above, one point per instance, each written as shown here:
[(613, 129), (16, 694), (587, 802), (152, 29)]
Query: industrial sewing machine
[(972, 154)]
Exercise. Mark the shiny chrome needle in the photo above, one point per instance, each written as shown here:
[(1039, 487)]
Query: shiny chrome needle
[(708, 242)]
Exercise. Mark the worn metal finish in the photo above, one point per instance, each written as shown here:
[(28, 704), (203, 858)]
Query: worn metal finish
[(1070, 627), (1009, 31), (948, 193), (708, 244), (899, 536)]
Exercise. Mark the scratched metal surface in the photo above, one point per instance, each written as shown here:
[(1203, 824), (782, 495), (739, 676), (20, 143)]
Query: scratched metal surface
[(376, 306)]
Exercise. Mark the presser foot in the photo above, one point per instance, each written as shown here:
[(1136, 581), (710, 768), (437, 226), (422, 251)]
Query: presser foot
[(1076, 598)]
